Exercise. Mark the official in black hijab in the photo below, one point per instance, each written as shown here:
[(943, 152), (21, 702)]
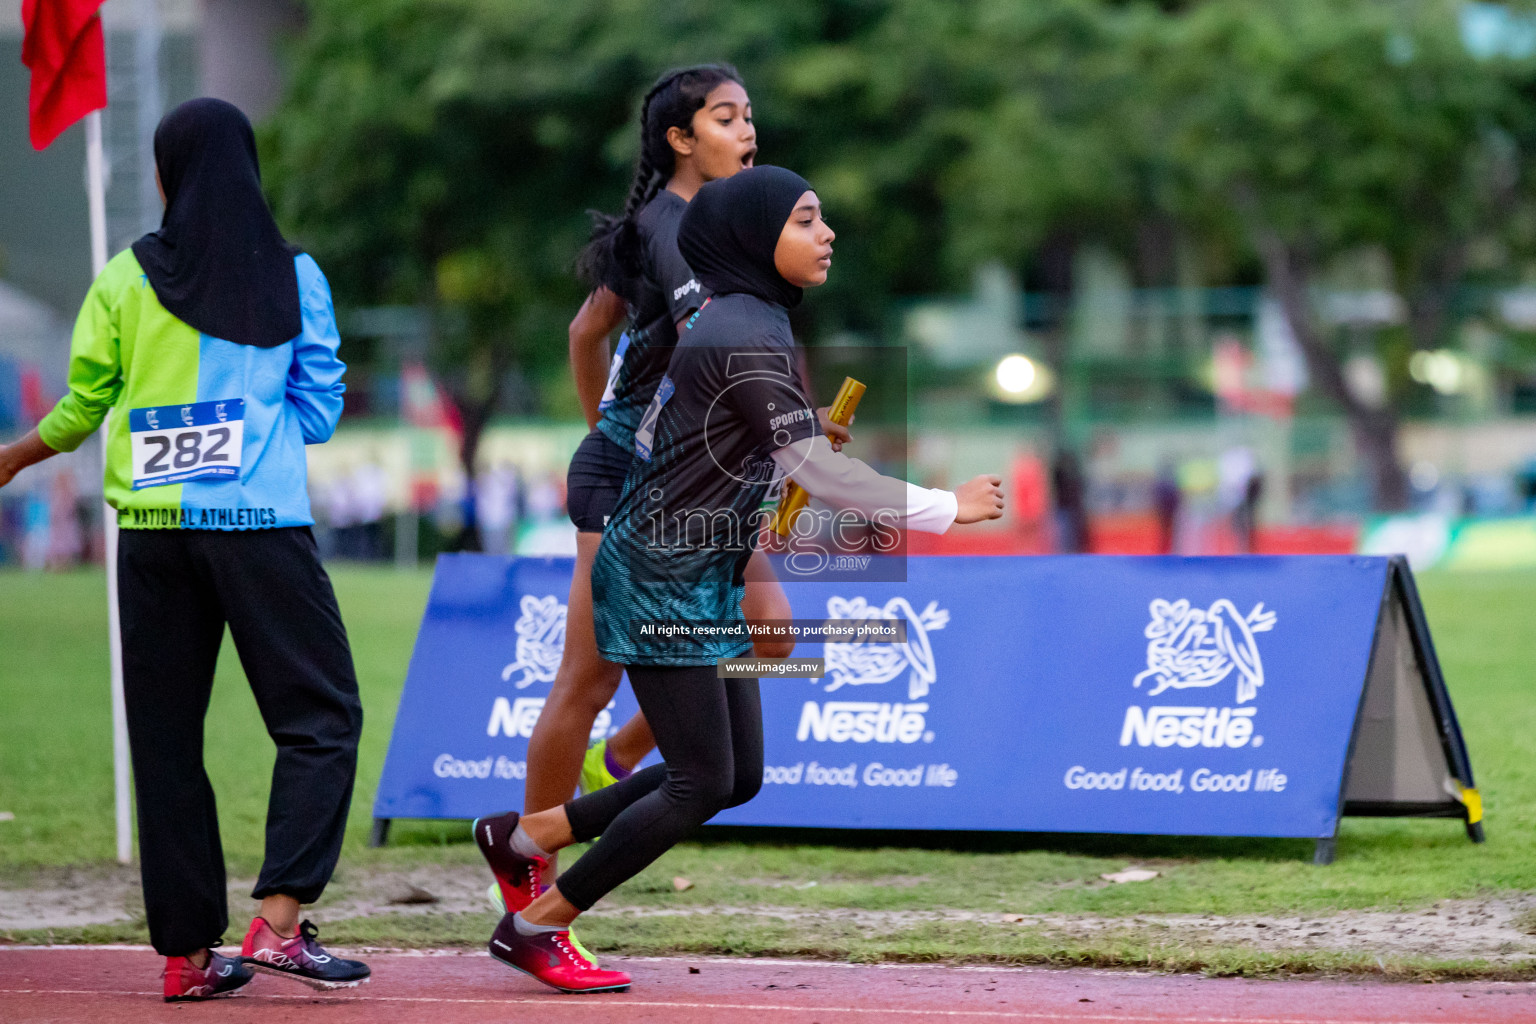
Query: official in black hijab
[(218, 262), (731, 228)]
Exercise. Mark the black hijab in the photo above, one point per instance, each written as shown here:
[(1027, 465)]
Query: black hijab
[(731, 228), (218, 261)]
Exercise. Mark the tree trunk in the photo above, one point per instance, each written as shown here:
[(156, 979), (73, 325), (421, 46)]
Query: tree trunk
[(1056, 258), (476, 401), (1430, 287), (1289, 271)]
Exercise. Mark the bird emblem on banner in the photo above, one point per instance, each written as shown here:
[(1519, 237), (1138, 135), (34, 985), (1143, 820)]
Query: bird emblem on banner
[(1197, 647), (862, 662)]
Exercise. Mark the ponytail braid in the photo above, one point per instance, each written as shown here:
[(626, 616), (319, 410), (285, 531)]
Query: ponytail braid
[(611, 257), (648, 176)]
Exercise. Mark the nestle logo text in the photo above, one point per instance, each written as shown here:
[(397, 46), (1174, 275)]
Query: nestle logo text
[(855, 721), (1187, 727)]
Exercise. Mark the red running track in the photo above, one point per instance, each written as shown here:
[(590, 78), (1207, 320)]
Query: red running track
[(121, 985)]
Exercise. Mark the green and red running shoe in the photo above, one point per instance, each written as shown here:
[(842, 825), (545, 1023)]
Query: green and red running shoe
[(186, 982), (552, 958), (301, 958), (516, 876), (494, 898)]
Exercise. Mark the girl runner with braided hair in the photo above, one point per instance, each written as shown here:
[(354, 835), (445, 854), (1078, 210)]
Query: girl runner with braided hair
[(695, 127)]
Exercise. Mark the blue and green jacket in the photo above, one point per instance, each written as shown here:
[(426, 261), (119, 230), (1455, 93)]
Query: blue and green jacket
[(205, 434)]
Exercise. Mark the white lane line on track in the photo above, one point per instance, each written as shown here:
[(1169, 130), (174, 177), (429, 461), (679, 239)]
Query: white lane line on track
[(620, 1000), (730, 961), (748, 961)]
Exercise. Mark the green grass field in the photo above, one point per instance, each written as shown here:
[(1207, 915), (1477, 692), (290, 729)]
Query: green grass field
[(55, 777)]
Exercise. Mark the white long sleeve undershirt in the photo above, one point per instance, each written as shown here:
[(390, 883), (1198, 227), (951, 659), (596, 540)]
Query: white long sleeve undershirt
[(844, 482)]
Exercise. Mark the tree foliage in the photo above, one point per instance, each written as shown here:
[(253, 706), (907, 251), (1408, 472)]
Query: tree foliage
[(446, 151), (1318, 127)]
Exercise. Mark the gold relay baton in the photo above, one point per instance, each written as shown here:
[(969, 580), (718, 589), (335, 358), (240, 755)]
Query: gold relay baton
[(795, 496)]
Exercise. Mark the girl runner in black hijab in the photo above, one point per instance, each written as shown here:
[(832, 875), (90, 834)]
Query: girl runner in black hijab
[(728, 415), (695, 126)]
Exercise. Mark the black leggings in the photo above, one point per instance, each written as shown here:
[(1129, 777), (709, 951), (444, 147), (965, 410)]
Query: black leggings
[(710, 731)]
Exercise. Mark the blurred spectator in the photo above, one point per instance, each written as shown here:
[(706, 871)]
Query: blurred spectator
[(1030, 502), (12, 510), (1166, 500), (1525, 481), (468, 537), (1070, 492), (65, 538), (546, 530), (1235, 472), (546, 499), (34, 531), (336, 511), (370, 500), (496, 498), (1233, 468), (1245, 520)]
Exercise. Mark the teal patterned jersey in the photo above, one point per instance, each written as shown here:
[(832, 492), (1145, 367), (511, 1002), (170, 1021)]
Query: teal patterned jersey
[(688, 517)]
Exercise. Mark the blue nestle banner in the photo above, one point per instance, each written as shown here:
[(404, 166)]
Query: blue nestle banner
[(1189, 696)]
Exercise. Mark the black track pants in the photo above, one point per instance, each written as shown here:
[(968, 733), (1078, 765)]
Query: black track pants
[(710, 731), (177, 590)]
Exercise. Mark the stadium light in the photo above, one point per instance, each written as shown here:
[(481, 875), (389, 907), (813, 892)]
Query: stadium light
[(1015, 374), (1018, 379)]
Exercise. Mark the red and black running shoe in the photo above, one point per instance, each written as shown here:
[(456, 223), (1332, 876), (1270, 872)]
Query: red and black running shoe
[(551, 957), (185, 981), (516, 875), (301, 958)]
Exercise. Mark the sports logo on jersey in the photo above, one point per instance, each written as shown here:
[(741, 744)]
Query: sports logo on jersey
[(540, 640), (766, 377)]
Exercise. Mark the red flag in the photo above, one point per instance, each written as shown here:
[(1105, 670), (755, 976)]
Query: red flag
[(63, 47), (423, 404)]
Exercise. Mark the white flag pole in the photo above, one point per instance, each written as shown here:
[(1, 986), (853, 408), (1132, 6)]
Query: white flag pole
[(96, 190)]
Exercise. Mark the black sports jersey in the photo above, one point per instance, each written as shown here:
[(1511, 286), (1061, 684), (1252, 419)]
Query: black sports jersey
[(687, 519), (668, 294)]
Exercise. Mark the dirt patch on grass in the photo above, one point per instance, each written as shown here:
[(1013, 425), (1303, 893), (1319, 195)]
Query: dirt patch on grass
[(1495, 930), (72, 897), (1451, 930)]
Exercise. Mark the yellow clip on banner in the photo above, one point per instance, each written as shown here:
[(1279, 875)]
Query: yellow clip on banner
[(1474, 801)]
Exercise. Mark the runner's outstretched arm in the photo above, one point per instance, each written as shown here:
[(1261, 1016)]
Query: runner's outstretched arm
[(848, 483)]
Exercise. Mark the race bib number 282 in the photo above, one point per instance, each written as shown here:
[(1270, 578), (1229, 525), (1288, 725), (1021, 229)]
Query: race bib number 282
[(172, 444)]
